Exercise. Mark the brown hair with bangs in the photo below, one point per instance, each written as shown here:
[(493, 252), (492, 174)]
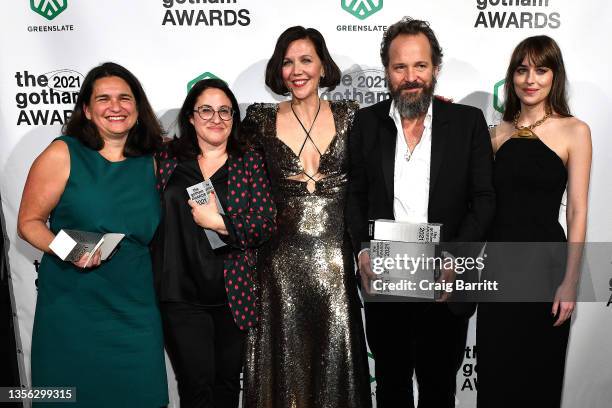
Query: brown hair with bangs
[(542, 51), (274, 76)]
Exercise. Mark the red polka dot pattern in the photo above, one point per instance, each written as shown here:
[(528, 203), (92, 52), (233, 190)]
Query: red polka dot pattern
[(252, 217)]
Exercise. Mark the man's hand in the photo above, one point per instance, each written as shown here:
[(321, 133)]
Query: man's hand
[(365, 271), (447, 275)]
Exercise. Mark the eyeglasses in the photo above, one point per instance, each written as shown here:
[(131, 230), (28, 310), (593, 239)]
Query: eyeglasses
[(207, 112)]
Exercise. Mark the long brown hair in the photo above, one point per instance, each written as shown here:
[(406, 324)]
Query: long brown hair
[(542, 51)]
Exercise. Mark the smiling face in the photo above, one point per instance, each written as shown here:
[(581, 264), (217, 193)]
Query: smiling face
[(411, 74), (112, 108), (302, 69), (532, 83), (215, 131)]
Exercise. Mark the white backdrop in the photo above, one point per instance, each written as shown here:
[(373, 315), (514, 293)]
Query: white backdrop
[(47, 46)]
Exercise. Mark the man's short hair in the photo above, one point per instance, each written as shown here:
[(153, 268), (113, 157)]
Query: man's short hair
[(410, 26)]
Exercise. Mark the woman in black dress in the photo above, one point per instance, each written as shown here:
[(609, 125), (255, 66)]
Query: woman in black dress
[(540, 150), (207, 296)]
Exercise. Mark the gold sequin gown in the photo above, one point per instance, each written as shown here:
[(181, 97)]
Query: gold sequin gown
[(308, 350)]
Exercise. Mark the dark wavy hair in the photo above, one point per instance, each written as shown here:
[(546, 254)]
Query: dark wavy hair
[(542, 51), (410, 26), (186, 146), (274, 77), (146, 135)]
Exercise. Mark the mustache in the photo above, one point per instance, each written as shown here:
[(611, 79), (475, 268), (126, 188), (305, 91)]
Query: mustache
[(410, 85)]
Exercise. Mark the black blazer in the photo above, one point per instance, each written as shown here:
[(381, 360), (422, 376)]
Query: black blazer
[(461, 194)]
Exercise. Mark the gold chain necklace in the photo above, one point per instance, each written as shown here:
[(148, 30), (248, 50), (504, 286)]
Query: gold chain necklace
[(526, 132)]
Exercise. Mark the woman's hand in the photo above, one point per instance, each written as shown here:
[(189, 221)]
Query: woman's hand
[(207, 215), (564, 303), (94, 262)]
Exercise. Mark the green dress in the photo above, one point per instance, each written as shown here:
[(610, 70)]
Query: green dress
[(99, 330)]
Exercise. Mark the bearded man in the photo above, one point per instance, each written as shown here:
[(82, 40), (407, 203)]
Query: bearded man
[(416, 158)]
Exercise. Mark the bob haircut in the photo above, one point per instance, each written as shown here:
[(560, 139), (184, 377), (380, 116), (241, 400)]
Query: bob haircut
[(274, 77), (146, 135), (186, 146), (541, 51), (410, 26)]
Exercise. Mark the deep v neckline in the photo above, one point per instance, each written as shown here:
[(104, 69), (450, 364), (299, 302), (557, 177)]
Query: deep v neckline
[(327, 150)]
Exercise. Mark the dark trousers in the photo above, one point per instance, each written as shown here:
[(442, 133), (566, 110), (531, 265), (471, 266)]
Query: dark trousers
[(415, 338), (207, 351)]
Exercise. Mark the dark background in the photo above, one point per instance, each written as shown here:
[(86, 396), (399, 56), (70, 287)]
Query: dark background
[(9, 370)]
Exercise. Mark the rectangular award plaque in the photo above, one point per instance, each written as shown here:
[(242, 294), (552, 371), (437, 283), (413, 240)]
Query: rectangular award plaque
[(70, 245), (405, 269), (200, 193), (389, 230), (406, 258)]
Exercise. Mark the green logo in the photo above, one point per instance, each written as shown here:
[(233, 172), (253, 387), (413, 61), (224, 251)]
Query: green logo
[(206, 75), (498, 101), (49, 9), (362, 9), (372, 379)]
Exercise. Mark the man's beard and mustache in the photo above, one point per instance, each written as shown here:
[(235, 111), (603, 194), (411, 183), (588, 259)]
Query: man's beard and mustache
[(411, 106)]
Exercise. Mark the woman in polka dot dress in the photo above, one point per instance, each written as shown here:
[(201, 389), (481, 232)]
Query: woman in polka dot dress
[(207, 296)]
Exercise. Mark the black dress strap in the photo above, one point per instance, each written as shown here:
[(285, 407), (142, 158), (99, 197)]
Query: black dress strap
[(308, 137)]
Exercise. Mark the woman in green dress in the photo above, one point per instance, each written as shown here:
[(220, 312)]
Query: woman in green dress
[(97, 326)]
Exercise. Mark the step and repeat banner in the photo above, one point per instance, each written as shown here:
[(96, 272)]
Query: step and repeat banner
[(47, 46)]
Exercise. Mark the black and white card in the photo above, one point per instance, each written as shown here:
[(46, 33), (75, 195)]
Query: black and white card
[(200, 193)]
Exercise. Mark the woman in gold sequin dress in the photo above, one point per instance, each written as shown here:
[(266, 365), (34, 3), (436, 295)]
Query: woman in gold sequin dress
[(308, 350)]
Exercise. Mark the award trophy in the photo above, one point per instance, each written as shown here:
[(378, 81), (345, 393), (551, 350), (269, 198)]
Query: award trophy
[(200, 193), (406, 257)]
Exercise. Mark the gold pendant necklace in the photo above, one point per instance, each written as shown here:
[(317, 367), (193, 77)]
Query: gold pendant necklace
[(526, 132)]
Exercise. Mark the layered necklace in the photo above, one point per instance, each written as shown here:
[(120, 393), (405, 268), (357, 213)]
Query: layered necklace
[(526, 132)]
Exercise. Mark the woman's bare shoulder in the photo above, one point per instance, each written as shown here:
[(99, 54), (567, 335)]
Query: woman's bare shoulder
[(574, 130), (56, 152)]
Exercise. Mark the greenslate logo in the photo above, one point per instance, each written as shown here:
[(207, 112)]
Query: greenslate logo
[(362, 9), (49, 9), (205, 75), (498, 101)]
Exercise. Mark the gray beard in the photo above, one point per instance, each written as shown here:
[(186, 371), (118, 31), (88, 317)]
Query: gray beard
[(412, 107)]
